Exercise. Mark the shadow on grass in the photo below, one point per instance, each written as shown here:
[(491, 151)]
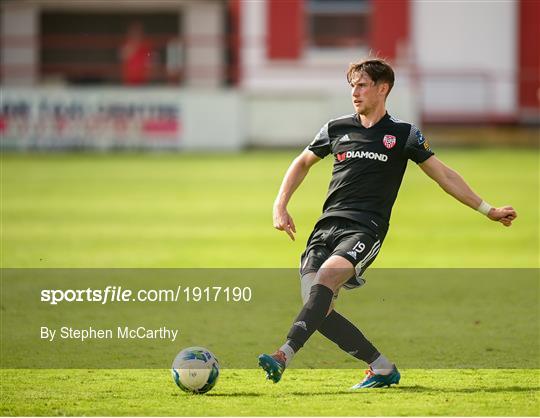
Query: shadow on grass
[(337, 392), (418, 388), (421, 389), (232, 395), (393, 389)]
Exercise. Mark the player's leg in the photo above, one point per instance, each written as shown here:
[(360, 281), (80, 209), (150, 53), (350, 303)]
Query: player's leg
[(349, 338), (316, 253), (306, 283), (333, 273), (361, 248), (338, 329)]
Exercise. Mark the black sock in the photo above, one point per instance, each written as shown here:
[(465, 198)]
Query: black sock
[(311, 316), (349, 338)]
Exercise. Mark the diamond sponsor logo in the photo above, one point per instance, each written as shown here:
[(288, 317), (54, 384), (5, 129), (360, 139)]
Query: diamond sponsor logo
[(342, 156)]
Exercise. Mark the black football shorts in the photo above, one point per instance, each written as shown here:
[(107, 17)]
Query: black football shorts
[(343, 237)]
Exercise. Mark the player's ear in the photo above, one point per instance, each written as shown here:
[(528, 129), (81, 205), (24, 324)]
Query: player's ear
[(384, 88)]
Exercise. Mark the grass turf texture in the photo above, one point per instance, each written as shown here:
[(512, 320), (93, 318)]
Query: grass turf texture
[(215, 211), (244, 393)]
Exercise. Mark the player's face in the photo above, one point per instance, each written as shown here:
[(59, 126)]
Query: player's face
[(366, 95)]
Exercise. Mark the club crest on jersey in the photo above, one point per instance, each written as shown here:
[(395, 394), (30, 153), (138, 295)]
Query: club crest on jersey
[(389, 141)]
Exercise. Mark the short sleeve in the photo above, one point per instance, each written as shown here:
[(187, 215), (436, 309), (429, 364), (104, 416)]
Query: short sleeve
[(320, 146), (417, 146)]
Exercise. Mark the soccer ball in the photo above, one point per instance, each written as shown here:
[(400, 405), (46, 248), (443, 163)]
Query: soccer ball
[(195, 370)]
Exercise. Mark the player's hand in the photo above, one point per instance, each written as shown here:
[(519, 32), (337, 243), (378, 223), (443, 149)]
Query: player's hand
[(504, 215), (284, 222)]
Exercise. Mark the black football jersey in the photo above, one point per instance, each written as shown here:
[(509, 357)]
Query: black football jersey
[(369, 164)]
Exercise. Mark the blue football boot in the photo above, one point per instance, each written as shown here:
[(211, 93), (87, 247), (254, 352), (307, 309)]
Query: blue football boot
[(373, 380), (273, 365)]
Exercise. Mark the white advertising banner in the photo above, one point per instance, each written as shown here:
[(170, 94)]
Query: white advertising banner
[(109, 118)]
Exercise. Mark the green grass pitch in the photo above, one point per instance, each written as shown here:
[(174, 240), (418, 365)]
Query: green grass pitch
[(195, 210)]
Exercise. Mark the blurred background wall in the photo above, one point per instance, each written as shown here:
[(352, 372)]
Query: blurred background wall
[(228, 74)]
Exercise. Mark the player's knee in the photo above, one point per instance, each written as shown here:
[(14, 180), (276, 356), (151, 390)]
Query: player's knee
[(330, 280), (334, 272)]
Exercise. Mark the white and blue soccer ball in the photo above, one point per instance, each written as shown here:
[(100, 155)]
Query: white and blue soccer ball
[(195, 370)]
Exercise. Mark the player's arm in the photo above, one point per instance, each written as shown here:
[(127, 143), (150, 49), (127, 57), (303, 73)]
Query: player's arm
[(453, 184), (293, 178)]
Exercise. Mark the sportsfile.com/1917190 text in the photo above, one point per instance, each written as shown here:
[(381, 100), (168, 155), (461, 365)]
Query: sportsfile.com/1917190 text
[(119, 294)]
